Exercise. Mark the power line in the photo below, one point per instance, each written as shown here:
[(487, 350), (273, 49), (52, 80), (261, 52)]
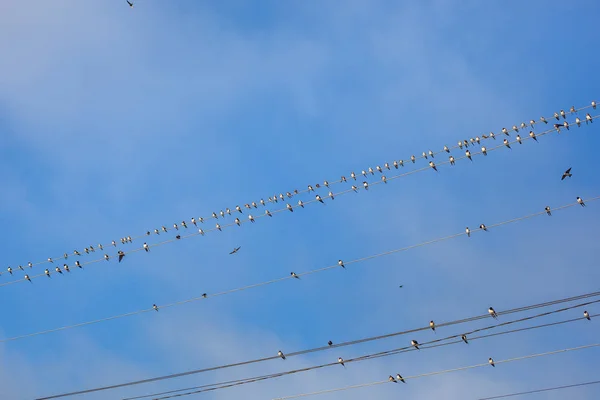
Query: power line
[(426, 345), (441, 372), (375, 355), (550, 389), (201, 219), (265, 283)]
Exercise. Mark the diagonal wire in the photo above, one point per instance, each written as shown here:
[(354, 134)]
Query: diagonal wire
[(550, 389), (65, 256), (318, 270)]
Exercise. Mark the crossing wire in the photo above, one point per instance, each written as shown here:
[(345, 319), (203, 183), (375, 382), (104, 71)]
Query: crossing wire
[(318, 270), (381, 354), (550, 389), (425, 345), (307, 190)]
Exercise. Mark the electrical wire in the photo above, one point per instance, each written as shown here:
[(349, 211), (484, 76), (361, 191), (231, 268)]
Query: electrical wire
[(219, 227), (264, 283), (201, 219), (441, 372), (425, 345), (550, 389), (375, 355)]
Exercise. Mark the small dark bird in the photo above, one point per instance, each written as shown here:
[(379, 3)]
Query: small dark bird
[(587, 316), (330, 343), (341, 361), (464, 338), (294, 275), (146, 247), (400, 378), (121, 255), (580, 201), (566, 174), (492, 312), (130, 4), (155, 307), (548, 210), (280, 354), (491, 361), (235, 250), (341, 263), (178, 237), (415, 344)]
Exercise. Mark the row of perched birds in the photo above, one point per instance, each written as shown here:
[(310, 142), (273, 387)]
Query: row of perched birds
[(416, 345), (311, 188)]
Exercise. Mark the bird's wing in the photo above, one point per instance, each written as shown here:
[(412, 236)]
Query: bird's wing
[(567, 171), (563, 177)]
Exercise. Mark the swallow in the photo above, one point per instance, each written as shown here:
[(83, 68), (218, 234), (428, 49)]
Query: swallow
[(146, 247), (87, 251), (66, 268), (65, 256), (214, 215), (523, 125), (543, 120), (353, 175), (331, 195), (464, 338), (446, 149), (50, 259), (221, 213), (330, 343), (235, 250), (155, 231), (106, 257), (178, 237), (228, 211), (204, 295), (293, 274), (268, 213), (310, 188), (218, 227), (531, 122), (355, 188), (343, 179), (566, 174), (400, 378), (341, 263), (460, 145), (548, 211), (484, 150), (383, 178), (505, 131), (341, 361), (254, 204), (580, 201), (77, 264), (391, 379), (371, 171), (587, 316), (562, 114), (415, 344), (300, 203), (130, 4), (9, 269), (262, 202), (395, 163), (251, 218), (432, 165), (532, 135), (280, 354), (319, 199), (593, 104), (484, 136), (289, 207), (515, 128), (155, 307), (201, 231), (483, 227), (424, 155), (78, 253), (386, 165), (431, 154), (237, 221), (492, 312), (557, 116), (413, 158), (147, 234), (578, 122), (566, 125), (468, 231), (506, 143), (47, 272), (247, 206), (165, 229), (364, 173), (468, 154), (472, 141), (401, 162), (121, 255), (28, 278), (30, 265), (432, 325), (588, 117), (491, 362), (557, 127), (366, 185), (572, 110), (451, 160)]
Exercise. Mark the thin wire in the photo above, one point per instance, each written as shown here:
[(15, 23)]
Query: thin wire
[(226, 292), (375, 355), (331, 183), (550, 389), (441, 372), (387, 353)]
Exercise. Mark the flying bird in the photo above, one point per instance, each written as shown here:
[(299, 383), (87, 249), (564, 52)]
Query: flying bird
[(580, 201), (235, 250), (566, 174)]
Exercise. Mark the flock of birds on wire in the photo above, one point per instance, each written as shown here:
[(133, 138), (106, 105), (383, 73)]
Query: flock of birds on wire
[(396, 164)]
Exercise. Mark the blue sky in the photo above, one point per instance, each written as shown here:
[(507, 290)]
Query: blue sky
[(114, 121)]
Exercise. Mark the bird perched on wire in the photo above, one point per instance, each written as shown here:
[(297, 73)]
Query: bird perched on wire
[(566, 174), (280, 354), (294, 275), (548, 210), (580, 201), (235, 250), (491, 361), (587, 316), (492, 312), (121, 255), (341, 361), (432, 165), (415, 344), (432, 325)]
